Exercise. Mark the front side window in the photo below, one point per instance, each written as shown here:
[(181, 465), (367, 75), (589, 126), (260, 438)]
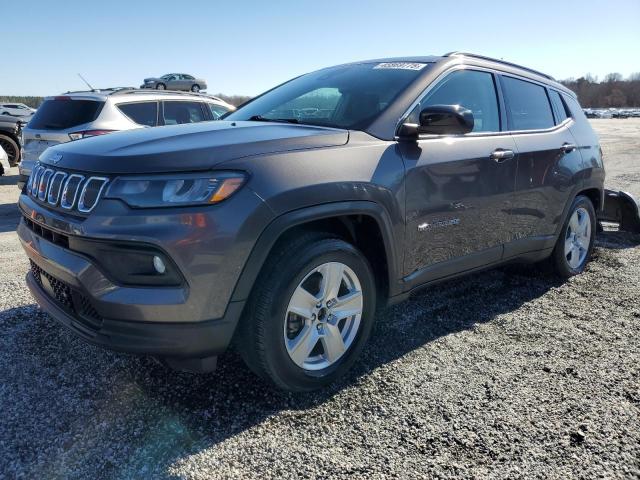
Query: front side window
[(176, 113), (470, 89), (347, 96), (217, 111), (143, 113), (527, 105)]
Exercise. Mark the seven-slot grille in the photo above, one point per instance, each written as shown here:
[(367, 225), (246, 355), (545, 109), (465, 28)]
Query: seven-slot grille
[(67, 190)]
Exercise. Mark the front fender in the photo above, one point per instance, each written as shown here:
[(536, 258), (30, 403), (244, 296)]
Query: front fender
[(281, 224)]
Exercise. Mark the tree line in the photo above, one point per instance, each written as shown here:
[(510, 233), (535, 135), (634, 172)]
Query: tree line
[(612, 91)]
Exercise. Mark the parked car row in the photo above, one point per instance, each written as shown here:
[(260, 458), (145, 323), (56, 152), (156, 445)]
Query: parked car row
[(611, 112), (77, 115)]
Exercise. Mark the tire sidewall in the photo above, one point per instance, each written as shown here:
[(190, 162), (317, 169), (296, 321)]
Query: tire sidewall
[(12, 162), (560, 257), (277, 358), (161, 86)]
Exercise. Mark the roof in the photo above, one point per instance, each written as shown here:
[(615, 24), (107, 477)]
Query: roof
[(103, 93)]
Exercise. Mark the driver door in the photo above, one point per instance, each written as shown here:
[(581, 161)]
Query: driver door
[(459, 187)]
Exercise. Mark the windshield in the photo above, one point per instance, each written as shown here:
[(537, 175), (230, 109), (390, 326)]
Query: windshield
[(348, 96)]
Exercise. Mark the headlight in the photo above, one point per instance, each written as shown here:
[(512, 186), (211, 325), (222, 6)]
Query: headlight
[(176, 190)]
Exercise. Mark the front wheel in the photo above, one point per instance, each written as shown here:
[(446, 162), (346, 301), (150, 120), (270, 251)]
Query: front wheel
[(575, 243), (161, 86), (310, 315)]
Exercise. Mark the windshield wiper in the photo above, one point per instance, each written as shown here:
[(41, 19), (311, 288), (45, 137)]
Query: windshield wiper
[(260, 118)]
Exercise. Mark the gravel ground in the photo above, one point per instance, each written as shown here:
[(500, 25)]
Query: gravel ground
[(504, 374)]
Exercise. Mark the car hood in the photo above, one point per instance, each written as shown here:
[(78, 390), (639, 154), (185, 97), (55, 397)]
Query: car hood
[(154, 79), (192, 147)]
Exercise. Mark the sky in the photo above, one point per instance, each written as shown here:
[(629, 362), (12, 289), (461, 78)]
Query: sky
[(245, 47)]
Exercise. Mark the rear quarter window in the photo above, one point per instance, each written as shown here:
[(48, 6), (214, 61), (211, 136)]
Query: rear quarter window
[(574, 107), (143, 113), (558, 106), (60, 114), (528, 106)]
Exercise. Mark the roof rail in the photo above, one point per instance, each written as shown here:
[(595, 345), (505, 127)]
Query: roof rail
[(482, 57), (109, 91), (153, 91)]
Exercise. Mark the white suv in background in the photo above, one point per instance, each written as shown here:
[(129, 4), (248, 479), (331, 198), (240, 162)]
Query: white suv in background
[(77, 115), (16, 109)]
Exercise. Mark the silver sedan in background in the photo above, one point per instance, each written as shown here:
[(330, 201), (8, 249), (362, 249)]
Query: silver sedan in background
[(175, 81)]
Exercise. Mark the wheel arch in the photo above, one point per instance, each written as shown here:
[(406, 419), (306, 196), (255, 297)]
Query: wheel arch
[(363, 223)]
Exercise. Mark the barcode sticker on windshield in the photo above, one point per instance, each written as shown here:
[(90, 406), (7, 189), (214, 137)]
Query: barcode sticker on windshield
[(402, 65)]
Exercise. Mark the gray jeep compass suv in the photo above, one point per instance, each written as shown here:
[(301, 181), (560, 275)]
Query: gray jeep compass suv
[(282, 227)]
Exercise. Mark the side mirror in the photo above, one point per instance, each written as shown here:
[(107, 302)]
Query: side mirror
[(445, 120)]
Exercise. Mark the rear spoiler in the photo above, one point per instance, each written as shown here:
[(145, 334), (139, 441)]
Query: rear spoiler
[(620, 208)]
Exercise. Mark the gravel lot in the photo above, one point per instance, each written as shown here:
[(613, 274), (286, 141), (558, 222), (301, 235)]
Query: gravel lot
[(508, 373)]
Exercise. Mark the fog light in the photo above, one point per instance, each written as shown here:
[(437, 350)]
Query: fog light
[(159, 265)]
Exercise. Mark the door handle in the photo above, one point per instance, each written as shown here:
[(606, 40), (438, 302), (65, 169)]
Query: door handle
[(500, 155), (568, 147)]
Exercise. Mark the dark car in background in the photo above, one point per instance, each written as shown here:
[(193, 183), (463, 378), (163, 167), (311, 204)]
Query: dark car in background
[(282, 227), (11, 137), (175, 81)]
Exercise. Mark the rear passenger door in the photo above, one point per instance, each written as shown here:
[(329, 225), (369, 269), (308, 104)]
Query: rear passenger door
[(549, 163)]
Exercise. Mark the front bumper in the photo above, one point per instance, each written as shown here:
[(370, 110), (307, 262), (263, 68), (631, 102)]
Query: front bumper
[(75, 293), (165, 340)]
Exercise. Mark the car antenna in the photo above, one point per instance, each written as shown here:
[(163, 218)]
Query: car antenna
[(88, 84)]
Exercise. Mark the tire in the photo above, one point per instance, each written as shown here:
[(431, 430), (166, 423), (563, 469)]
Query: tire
[(270, 331), (195, 88), (11, 147), (161, 86), (575, 243)]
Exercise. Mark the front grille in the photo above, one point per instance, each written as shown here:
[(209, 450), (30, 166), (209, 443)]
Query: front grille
[(69, 191), (59, 291), (72, 301), (46, 233)]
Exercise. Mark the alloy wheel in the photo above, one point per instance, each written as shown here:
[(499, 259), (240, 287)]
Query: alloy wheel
[(323, 316), (578, 238)]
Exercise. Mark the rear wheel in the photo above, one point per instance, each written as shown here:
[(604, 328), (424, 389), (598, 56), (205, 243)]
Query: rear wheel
[(195, 88), (575, 243), (10, 146), (310, 314)]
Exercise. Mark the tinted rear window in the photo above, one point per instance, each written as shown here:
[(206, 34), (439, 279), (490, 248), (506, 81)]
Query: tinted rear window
[(528, 105), (63, 114), (143, 113)]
